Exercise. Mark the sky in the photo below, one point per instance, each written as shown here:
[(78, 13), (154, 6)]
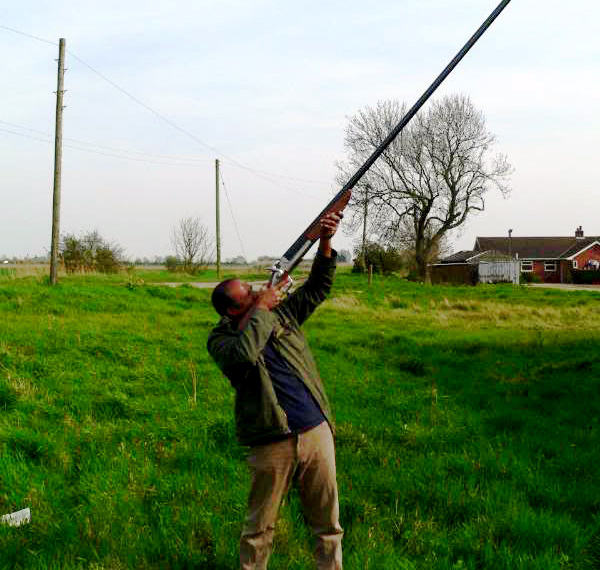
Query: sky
[(156, 91)]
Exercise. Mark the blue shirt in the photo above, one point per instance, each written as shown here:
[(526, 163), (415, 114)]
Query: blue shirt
[(294, 397)]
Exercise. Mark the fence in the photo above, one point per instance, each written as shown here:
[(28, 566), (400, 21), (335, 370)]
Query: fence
[(499, 271), (455, 273)]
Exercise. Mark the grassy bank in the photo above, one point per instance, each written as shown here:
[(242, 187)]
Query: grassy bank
[(467, 418)]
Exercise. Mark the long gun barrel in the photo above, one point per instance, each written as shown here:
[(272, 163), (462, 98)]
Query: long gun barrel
[(292, 257)]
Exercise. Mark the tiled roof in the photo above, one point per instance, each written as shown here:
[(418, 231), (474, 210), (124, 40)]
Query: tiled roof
[(535, 247), (581, 244)]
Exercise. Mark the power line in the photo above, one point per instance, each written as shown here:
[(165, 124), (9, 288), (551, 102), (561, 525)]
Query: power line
[(294, 178), (91, 151), (260, 174), (29, 35), (120, 150), (232, 161), (170, 160), (232, 216), (263, 174), (142, 104), (278, 184), (25, 136)]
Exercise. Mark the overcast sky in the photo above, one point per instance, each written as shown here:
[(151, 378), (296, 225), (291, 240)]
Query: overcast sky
[(267, 86)]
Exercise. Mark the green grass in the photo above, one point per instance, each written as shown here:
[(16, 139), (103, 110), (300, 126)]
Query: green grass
[(468, 428)]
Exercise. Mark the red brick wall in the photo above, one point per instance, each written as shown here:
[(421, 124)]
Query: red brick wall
[(546, 276), (592, 253)]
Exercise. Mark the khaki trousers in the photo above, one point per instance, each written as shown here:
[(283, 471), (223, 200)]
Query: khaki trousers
[(310, 458)]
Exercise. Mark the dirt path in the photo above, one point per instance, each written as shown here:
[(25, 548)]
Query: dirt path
[(567, 286), (203, 285)]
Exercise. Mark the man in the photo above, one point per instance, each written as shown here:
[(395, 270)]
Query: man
[(281, 410)]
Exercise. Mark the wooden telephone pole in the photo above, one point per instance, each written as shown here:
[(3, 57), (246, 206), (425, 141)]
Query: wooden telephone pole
[(364, 234), (57, 164), (218, 224)]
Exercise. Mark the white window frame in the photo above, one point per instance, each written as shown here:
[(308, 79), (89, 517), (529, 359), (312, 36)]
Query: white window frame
[(574, 264), (523, 263), (549, 266)]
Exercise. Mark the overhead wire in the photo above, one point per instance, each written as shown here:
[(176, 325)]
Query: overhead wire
[(232, 162), (24, 136), (29, 35), (163, 157), (237, 231), (171, 160), (92, 151)]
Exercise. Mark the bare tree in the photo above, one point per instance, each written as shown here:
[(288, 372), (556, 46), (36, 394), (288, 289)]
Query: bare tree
[(429, 180), (193, 244)]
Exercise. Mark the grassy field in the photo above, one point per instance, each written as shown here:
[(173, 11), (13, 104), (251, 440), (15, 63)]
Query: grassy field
[(142, 274), (468, 428)]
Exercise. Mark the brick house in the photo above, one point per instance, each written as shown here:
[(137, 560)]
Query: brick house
[(550, 258)]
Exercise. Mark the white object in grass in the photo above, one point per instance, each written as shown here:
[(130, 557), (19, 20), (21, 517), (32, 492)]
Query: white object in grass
[(17, 518)]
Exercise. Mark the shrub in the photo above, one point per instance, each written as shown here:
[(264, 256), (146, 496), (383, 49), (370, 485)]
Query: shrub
[(106, 261), (585, 276), (90, 252), (359, 266), (529, 278), (172, 263), (384, 260)]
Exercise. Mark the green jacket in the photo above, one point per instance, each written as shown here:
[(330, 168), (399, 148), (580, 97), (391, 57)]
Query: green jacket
[(239, 355)]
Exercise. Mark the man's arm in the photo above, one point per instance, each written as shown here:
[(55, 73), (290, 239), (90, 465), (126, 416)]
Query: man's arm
[(328, 229), (305, 300), (233, 347), (329, 225)]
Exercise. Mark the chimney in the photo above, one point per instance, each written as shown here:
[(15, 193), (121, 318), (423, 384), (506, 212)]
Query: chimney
[(579, 232)]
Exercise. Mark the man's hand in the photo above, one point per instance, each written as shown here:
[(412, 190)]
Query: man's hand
[(269, 297), (329, 224)]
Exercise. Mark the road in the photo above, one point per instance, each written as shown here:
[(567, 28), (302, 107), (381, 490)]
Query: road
[(567, 286)]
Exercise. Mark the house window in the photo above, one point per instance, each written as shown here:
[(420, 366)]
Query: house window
[(549, 265), (526, 266), (574, 264)]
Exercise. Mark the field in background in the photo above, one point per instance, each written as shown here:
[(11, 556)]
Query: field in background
[(144, 273), (468, 427)]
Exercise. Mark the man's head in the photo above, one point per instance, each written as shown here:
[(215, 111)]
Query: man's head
[(233, 297)]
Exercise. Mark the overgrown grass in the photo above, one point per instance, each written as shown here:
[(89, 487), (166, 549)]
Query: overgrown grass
[(468, 430)]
